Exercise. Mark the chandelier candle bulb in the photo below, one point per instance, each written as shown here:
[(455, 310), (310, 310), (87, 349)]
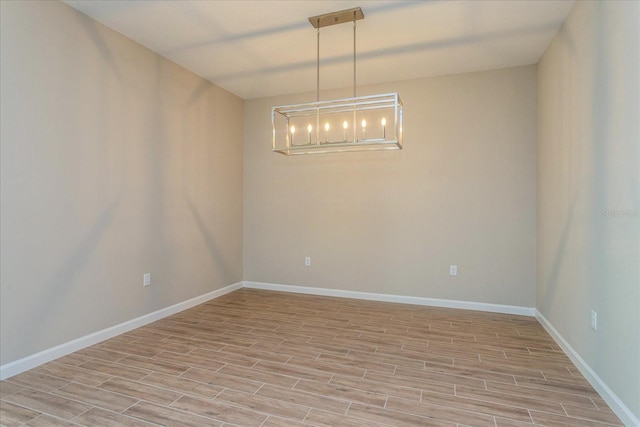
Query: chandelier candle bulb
[(326, 132), (293, 131), (309, 129), (364, 129), (384, 128), (345, 126)]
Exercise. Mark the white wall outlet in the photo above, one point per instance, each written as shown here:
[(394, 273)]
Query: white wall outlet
[(594, 320), (453, 270), (307, 261), (146, 279)]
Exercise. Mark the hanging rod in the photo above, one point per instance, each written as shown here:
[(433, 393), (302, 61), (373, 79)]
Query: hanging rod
[(334, 18)]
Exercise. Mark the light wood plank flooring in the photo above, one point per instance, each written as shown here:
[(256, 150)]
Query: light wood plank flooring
[(260, 358)]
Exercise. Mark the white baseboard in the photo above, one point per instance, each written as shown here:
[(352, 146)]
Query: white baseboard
[(14, 368), (620, 409), (433, 302)]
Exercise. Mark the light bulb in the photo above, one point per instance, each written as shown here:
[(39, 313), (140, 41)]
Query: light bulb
[(345, 125), (326, 126), (293, 129), (384, 121), (364, 123), (309, 128)]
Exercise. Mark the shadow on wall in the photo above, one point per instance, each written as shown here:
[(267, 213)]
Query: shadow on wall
[(552, 280), (64, 281), (91, 30), (216, 254), (120, 137), (60, 288)]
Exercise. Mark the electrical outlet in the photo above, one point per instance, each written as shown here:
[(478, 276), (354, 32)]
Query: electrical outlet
[(594, 320), (307, 261), (453, 270), (146, 279)]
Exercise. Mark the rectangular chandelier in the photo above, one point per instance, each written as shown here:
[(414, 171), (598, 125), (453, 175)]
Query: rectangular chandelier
[(364, 123)]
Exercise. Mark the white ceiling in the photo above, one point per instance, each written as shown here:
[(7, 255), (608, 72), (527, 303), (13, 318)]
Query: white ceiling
[(262, 48)]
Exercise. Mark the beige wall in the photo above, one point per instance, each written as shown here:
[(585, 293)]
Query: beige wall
[(589, 190), (114, 162), (461, 192)]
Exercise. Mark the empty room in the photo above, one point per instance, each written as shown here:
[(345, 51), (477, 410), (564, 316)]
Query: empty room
[(320, 213)]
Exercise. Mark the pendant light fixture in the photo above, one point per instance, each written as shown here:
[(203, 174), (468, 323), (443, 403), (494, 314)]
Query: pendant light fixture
[(364, 123)]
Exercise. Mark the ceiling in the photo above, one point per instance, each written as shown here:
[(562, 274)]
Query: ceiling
[(262, 48)]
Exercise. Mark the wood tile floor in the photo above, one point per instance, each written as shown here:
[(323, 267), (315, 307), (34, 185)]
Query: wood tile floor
[(260, 358)]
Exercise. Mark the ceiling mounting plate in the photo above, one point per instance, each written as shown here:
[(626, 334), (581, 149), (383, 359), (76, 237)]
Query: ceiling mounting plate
[(335, 18)]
